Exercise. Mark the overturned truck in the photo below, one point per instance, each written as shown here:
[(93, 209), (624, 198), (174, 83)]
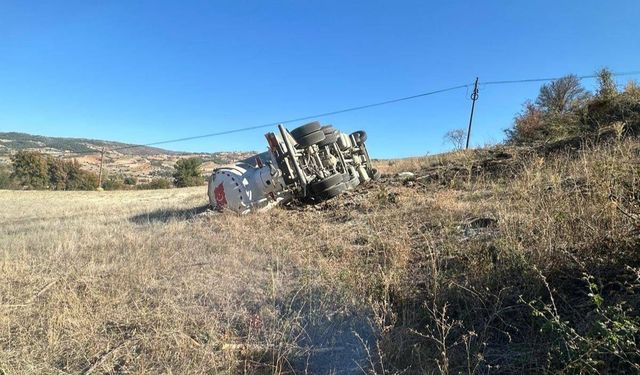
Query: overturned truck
[(310, 163)]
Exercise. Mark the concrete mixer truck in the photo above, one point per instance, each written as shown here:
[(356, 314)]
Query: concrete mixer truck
[(311, 163)]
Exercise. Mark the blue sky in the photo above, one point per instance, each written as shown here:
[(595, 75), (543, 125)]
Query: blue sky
[(145, 71)]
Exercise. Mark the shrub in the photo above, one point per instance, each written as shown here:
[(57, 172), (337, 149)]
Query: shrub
[(129, 180), (527, 125), (632, 89), (156, 183), (187, 172), (6, 182), (604, 111), (113, 183), (608, 343)]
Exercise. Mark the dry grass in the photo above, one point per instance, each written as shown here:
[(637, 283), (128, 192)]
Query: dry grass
[(396, 276), (137, 282)]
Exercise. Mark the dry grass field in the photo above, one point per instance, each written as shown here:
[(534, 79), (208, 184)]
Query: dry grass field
[(516, 263)]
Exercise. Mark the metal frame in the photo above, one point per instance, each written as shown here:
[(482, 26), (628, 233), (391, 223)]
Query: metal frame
[(291, 152)]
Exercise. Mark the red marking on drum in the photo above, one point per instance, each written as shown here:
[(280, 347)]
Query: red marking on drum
[(221, 199)]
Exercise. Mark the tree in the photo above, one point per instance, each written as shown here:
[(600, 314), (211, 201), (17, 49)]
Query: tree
[(30, 169), (527, 125), (456, 137), (78, 179), (561, 95), (606, 84), (86, 181), (57, 174), (187, 172)]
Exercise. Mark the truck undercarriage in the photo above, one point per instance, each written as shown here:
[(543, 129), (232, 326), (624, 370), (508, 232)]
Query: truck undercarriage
[(311, 163)]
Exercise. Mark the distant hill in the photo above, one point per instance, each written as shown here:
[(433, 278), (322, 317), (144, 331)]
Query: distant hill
[(142, 162), (20, 141)]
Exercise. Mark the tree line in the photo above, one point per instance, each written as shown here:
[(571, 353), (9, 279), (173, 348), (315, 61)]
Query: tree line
[(37, 171)]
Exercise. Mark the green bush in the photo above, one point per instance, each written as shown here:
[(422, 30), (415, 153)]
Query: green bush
[(187, 172), (156, 183), (607, 343), (119, 183), (6, 182), (129, 180), (113, 183)]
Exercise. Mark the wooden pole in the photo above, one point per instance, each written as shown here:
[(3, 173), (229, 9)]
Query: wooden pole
[(100, 173), (474, 97)]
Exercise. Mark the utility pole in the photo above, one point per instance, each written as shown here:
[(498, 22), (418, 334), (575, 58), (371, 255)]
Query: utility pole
[(100, 173), (474, 97)]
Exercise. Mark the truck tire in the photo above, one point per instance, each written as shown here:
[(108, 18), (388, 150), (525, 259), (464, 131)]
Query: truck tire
[(354, 182), (310, 139), (360, 136), (328, 129), (346, 177), (374, 174), (305, 130), (329, 138), (332, 191), (326, 183)]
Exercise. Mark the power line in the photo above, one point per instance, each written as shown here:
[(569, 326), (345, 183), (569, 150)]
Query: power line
[(357, 108), (231, 131), (556, 78)]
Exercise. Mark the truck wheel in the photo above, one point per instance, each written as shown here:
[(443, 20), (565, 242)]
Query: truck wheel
[(332, 191), (310, 139), (360, 136), (328, 129), (326, 183), (346, 177), (304, 130), (354, 182), (374, 174), (329, 138)]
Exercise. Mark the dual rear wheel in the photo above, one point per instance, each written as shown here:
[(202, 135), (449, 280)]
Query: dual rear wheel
[(312, 133), (328, 187), (308, 135)]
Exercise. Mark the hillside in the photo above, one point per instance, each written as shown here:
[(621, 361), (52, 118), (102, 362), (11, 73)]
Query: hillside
[(121, 159), (501, 260)]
